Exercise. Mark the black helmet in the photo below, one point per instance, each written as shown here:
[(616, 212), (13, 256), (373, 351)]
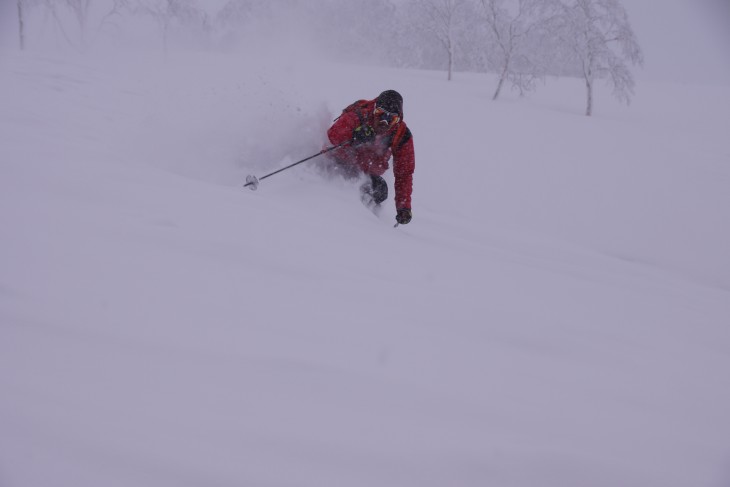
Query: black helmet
[(390, 101)]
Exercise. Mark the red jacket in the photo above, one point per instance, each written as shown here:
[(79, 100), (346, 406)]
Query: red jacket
[(372, 158)]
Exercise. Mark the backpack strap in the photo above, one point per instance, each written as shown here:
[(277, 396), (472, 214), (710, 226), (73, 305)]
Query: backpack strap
[(357, 108)]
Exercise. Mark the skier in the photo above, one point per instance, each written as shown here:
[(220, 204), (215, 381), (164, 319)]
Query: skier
[(377, 131)]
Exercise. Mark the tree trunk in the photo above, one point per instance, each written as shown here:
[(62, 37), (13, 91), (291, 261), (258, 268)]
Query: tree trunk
[(588, 74), (502, 77), (21, 25), (451, 59), (589, 97)]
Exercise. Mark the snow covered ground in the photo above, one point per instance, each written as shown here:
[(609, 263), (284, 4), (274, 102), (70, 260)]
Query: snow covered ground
[(557, 313)]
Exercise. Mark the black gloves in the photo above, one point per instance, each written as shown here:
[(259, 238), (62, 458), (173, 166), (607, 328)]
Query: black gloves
[(404, 216), (362, 135)]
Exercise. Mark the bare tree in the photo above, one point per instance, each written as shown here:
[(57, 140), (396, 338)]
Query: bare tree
[(51, 8), (359, 31), (21, 25), (513, 26), (600, 41), (116, 9), (80, 10), (164, 12), (58, 10), (235, 13), (442, 19)]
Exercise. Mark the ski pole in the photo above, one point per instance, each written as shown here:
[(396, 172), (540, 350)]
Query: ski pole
[(253, 182)]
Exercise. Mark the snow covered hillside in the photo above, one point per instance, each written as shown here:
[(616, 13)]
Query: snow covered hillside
[(556, 314)]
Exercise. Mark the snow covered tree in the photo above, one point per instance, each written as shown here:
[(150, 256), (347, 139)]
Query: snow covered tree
[(357, 31), (235, 13), (116, 10), (513, 50), (165, 12), (443, 19), (80, 10), (600, 42), (21, 25), (70, 18)]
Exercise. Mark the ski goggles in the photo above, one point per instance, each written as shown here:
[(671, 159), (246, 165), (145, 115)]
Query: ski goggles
[(386, 118)]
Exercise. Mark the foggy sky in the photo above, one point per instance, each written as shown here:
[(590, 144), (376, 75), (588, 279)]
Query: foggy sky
[(682, 40)]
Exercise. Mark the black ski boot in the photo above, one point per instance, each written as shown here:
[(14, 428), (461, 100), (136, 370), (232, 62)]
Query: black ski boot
[(374, 192)]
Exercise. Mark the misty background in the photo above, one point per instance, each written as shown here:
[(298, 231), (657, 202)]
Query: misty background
[(681, 40)]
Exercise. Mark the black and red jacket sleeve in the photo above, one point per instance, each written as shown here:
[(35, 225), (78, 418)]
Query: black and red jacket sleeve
[(404, 164)]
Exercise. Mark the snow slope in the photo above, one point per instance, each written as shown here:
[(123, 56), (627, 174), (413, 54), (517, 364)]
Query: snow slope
[(555, 315)]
